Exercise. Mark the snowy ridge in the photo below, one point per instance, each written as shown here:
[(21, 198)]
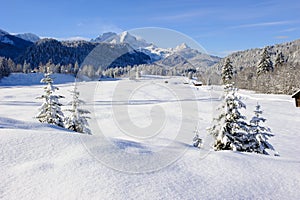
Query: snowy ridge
[(28, 37), (4, 38), (182, 47), (124, 37), (250, 57), (156, 53), (12, 46), (2, 32), (104, 37)]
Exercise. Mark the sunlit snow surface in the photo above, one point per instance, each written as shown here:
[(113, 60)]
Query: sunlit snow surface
[(40, 161)]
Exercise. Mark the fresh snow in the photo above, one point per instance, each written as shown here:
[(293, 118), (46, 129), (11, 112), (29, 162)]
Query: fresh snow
[(40, 161), (28, 37), (21, 79), (182, 47)]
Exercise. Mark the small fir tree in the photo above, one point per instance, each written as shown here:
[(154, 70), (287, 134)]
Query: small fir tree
[(197, 141), (76, 68), (227, 72), (230, 129), (137, 73), (4, 67), (265, 64), (77, 120), (50, 111), (258, 134), (26, 67)]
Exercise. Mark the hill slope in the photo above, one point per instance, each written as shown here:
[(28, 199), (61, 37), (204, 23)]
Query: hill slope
[(282, 80), (68, 52), (28, 37), (12, 46), (251, 57)]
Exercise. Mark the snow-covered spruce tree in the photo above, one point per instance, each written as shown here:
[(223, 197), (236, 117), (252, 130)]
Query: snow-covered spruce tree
[(265, 64), (77, 120), (230, 129), (4, 67), (258, 134), (227, 72), (279, 59), (50, 111)]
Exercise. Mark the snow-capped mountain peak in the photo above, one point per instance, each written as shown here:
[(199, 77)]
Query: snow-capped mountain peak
[(28, 37), (135, 42), (157, 53), (4, 38), (104, 37), (124, 37), (181, 47)]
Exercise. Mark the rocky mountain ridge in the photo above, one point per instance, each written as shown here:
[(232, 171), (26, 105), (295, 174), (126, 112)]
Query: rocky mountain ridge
[(68, 52)]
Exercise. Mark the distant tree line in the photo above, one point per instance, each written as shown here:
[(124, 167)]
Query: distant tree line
[(149, 69), (270, 74), (8, 66)]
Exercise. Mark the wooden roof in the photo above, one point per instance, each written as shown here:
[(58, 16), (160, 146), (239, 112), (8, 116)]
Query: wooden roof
[(296, 94)]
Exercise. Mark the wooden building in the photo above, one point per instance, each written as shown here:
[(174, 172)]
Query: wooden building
[(296, 95), (197, 83)]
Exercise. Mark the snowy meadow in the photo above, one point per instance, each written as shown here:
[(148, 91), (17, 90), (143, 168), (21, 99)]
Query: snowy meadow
[(157, 160)]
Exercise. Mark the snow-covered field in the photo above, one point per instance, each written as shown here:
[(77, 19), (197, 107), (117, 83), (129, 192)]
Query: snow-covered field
[(40, 161)]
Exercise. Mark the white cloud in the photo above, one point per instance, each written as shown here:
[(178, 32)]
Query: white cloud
[(289, 30), (183, 16), (263, 24), (281, 37)]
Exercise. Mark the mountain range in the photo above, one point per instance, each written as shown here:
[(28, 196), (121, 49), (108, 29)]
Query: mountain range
[(12, 46), (34, 50), (30, 48), (164, 56)]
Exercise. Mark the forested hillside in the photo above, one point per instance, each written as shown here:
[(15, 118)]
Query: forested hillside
[(283, 78)]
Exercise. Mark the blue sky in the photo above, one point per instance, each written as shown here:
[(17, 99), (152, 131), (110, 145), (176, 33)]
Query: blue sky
[(219, 26)]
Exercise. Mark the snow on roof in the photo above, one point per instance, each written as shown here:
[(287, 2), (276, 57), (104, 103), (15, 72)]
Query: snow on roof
[(295, 94)]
